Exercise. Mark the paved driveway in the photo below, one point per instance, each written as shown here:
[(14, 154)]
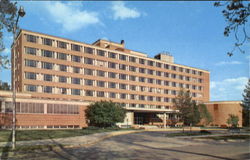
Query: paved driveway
[(151, 146)]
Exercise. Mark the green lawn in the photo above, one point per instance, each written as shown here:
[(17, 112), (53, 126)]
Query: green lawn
[(26, 135)]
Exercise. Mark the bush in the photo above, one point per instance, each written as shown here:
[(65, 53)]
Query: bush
[(205, 132), (105, 114)]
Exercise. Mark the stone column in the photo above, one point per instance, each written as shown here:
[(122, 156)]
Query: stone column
[(164, 120)]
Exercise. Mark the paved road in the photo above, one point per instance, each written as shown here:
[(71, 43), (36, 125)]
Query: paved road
[(150, 146)]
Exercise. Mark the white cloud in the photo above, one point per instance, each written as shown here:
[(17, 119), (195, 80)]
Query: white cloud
[(120, 11), (227, 63), (70, 15), (228, 89)]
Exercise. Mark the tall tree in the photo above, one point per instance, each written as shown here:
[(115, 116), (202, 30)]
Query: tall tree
[(205, 114), (233, 120), (8, 14), (246, 105), (188, 108), (236, 14)]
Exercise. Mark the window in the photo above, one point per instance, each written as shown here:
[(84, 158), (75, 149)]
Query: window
[(158, 73), (47, 89), (158, 82), (132, 68), (200, 73), (61, 44), (122, 86), (75, 80), (151, 63), (30, 75), (100, 53), (187, 78), (142, 88), (31, 88), (75, 92), (30, 63), (200, 88), (132, 105), (132, 59), (173, 75), (75, 47), (88, 71), (31, 51), (112, 65), (123, 76), (194, 72), (173, 92), (112, 55), (150, 71), (200, 80), (181, 85), (100, 73), (89, 50), (46, 53), (180, 69), (165, 91), (47, 41), (112, 75), (100, 83), (132, 96), (89, 93), (150, 80), (31, 38), (88, 61), (173, 68), (158, 99), (76, 70), (89, 82), (187, 86), (47, 65), (187, 70), (63, 90), (132, 87), (166, 74), (62, 79), (112, 95), (75, 58), (193, 87), (141, 105), (122, 66), (166, 99), (100, 94), (150, 98), (151, 89), (112, 85), (166, 83), (123, 96), (158, 64), (142, 70), (62, 109), (180, 77), (141, 79), (166, 66), (132, 78), (141, 61), (47, 77), (173, 84), (62, 56), (141, 97), (122, 57), (63, 68)]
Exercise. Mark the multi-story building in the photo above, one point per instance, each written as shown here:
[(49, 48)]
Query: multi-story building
[(54, 68)]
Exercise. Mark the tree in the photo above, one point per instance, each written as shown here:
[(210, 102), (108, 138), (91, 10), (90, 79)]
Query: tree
[(8, 12), (236, 14), (189, 111), (205, 114), (233, 120), (105, 114), (246, 105), (4, 86)]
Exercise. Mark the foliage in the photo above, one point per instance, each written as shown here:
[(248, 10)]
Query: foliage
[(236, 14), (4, 86), (246, 105), (189, 111), (205, 114), (105, 113), (8, 12), (233, 120)]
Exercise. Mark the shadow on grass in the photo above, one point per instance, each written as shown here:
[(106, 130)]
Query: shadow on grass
[(6, 149)]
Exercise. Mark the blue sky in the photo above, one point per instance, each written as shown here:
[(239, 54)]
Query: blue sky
[(191, 31)]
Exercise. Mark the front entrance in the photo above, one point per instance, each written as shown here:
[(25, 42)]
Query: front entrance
[(146, 118)]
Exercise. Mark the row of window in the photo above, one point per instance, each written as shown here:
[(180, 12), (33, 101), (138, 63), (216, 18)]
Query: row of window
[(99, 52), (67, 91), (25, 107), (87, 71)]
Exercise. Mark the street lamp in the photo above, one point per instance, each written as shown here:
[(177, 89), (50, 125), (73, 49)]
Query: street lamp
[(21, 13)]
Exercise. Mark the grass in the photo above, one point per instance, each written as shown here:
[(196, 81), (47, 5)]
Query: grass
[(229, 137), (27, 135), (202, 132)]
